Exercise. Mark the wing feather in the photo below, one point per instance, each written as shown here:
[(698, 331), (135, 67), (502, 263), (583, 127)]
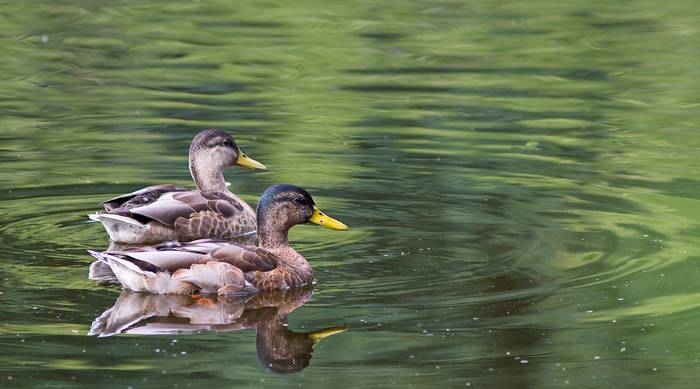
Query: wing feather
[(140, 197), (247, 259), (193, 210), (170, 256)]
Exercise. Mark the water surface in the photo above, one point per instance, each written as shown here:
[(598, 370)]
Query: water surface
[(520, 179)]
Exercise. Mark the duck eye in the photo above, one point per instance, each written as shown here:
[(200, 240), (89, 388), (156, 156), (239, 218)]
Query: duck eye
[(298, 200)]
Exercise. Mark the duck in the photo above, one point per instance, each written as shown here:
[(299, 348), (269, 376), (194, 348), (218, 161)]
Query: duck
[(218, 266), (168, 212)]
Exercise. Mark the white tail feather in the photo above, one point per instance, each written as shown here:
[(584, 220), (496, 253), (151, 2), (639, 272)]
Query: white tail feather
[(100, 271), (133, 277), (121, 228)]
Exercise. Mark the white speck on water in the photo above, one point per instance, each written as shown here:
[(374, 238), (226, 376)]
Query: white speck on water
[(622, 350), (524, 362), (183, 352), (589, 311), (44, 38), (654, 369), (597, 357)]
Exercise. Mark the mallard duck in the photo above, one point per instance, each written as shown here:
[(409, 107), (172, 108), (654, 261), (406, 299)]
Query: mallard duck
[(215, 266), (168, 212)]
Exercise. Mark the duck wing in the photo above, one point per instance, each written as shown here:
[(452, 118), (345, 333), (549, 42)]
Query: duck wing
[(140, 197), (175, 205), (197, 214), (248, 259), (170, 256)]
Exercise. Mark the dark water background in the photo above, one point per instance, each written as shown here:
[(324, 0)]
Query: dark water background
[(520, 179)]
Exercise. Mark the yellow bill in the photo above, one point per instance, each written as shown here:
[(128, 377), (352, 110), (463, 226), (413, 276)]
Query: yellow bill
[(324, 220), (247, 162), (318, 335)]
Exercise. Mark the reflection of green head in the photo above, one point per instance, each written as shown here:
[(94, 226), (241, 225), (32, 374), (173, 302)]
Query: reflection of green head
[(284, 351)]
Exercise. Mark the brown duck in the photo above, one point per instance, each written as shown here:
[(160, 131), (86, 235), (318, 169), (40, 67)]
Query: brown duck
[(169, 212), (214, 266)]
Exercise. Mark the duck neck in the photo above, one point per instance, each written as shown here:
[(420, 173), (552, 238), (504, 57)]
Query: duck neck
[(207, 176), (271, 239), (274, 239)]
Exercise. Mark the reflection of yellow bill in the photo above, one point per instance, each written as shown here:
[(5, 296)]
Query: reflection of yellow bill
[(324, 220), (250, 163), (318, 335)]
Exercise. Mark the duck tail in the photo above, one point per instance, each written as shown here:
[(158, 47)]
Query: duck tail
[(129, 274), (101, 272), (141, 276), (121, 228)]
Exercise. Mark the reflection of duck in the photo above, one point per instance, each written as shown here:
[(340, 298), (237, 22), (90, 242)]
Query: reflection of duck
[(278, 348), (211, 266), (168, 212)]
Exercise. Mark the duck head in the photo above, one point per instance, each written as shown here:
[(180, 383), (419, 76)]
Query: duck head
[(283, 206), (212, 151)]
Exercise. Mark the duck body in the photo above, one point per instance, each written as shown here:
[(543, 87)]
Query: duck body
[(218, 266), (206, 266), (168, 212)]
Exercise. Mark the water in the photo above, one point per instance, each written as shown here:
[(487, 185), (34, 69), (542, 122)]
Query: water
[(520, 179)]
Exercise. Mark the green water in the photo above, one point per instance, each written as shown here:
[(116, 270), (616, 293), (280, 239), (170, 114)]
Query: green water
[(520, 179)]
